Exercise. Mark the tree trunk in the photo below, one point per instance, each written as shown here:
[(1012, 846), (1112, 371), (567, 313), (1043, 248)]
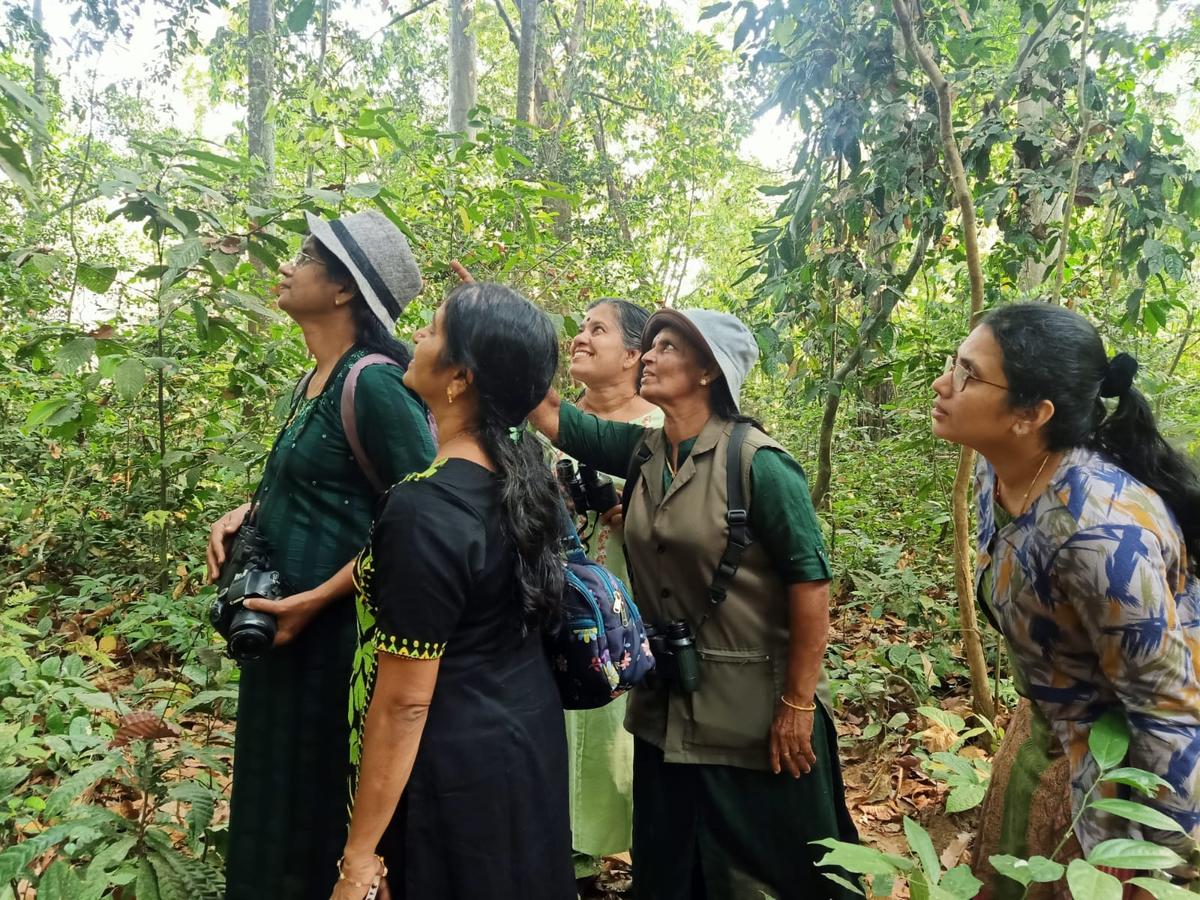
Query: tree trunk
[(616, 198), (981, 691), (260, 128), (1037, 212), (1085, 121), (321, 53), (527, 60), (462, 66), (37, 146), (868, 331)]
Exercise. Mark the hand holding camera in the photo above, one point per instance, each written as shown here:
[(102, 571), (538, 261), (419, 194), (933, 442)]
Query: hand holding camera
[(223, 531), (247, 574)]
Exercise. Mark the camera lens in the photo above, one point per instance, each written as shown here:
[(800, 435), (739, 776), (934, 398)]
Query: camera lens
[(249, 643)]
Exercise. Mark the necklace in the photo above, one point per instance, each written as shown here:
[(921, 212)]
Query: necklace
[(1025, 497)]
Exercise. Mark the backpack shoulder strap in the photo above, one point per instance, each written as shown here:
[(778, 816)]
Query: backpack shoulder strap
[(639, 458), (737, 517), (350, 420)]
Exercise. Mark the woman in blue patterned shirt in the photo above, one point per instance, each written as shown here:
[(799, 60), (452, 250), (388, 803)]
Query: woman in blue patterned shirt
[(1089, 539)]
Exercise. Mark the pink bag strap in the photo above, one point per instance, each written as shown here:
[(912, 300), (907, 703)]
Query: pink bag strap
[(349, 419)]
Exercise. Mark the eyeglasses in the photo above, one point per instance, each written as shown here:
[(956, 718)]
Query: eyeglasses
[(303, 259), (960, 375)]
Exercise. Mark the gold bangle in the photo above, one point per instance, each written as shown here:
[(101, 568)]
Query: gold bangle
[(381, 872), (797, 707)]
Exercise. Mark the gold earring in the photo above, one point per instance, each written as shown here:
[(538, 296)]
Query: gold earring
[(704, 381), (450, 395)]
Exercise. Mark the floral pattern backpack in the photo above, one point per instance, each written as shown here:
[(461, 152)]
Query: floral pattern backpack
[(599, 649)]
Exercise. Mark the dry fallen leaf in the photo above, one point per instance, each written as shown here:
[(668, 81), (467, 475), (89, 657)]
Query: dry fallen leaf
[(953, 854), (142, 726)]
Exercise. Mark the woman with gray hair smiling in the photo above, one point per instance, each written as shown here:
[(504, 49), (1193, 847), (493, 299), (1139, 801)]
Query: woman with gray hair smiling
[(606, 359), (353, 429), (735, 766)]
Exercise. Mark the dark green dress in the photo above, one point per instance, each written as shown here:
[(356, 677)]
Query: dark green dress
[(291, 762)]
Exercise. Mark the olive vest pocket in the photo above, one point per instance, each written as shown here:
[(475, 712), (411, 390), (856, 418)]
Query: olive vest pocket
[(741, 680)]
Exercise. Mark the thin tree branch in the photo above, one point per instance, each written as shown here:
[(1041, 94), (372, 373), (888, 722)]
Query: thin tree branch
[(596, 95), (868, 332), (512, 31)]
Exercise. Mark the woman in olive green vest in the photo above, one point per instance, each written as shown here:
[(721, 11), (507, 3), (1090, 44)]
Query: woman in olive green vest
[(291, 761), (735, 775), (606, 359)]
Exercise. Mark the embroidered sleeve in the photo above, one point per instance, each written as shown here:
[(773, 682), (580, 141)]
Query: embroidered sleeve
[(423, 551)]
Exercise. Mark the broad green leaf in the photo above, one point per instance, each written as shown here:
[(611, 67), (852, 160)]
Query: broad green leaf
[(856, 858), (10, 777), (186, 254), (922, 845), (965, 796), (96, 279), (1089, 883), (69, 789), (1138, 812), (129, 378), (954, 722), (325, 196), (111, 855), (366, 189), (1162, 890), (147, 881), (1124, 853), (14, 165), (41, 411), (844, 882), (75, 354), (1109, 740), (959, 882), (1036, 869), (1146, 782)]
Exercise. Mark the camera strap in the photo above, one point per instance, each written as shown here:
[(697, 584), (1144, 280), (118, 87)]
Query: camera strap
[(737, 517)]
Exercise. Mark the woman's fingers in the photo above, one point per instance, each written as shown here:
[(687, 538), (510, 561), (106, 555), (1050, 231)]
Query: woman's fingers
[(461, 271)]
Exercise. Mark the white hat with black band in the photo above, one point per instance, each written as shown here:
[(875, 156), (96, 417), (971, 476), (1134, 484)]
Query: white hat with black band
[(377, 255)]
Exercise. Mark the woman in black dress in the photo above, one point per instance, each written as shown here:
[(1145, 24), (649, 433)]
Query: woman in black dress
[(462, 783)]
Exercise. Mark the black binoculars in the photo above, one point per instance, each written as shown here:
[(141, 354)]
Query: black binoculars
[(676, 659), (586, 488)]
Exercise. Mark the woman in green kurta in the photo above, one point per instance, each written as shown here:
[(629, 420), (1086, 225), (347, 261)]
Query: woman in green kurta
[(606, 358), (314, 506), (734, 778)]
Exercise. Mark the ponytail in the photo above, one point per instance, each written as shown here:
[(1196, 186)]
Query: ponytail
[(1130, 438), (529, 499)]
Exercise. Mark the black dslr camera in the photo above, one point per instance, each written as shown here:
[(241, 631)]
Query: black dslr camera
[(587, 488), (246, 573), (676, 660)]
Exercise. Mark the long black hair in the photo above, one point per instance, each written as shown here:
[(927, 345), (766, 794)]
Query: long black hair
[(1052, 353), (511, 348), (369, 332)]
